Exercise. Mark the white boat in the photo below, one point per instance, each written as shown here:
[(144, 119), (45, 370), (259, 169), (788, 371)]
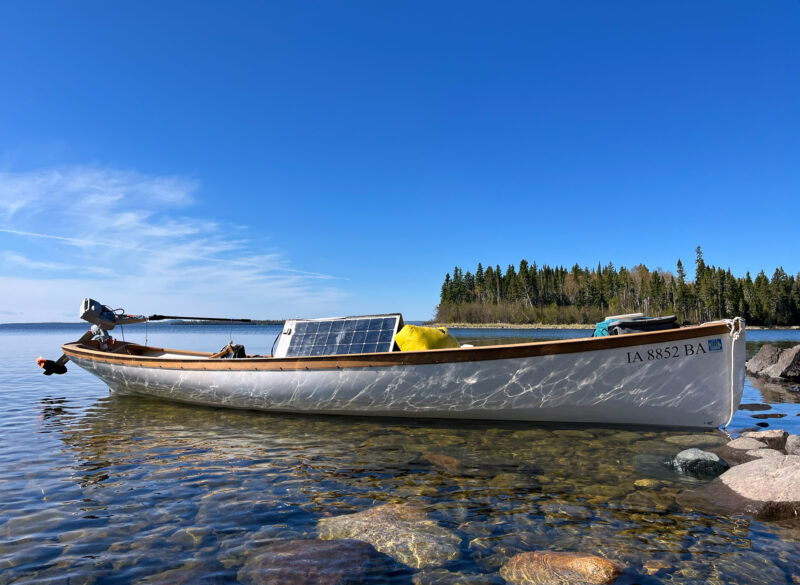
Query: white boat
[(684, 377)]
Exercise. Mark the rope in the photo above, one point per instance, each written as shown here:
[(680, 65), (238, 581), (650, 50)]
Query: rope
[(736, 326)]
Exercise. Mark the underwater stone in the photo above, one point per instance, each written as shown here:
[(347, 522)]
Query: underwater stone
[(308, 562), (402, 531), (446, 462), (443, 577), (200, 573), (654, 566), (700, 463), (546, 568), (697, 440), (752, 406)]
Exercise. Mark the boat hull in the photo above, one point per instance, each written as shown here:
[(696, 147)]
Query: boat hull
[(696, 381)]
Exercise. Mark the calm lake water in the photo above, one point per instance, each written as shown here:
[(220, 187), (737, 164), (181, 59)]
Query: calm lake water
[(97, 488)]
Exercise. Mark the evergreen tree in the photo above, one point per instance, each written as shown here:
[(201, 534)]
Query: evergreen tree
[(446, 296), (535, 293)]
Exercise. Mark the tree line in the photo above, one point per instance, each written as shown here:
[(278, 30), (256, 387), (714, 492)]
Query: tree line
[(557, 295)]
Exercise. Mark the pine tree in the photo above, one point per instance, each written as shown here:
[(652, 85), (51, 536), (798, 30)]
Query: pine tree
[(555, 294)]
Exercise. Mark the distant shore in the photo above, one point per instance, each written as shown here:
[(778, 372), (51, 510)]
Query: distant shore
[(562, 326), (511, 325)]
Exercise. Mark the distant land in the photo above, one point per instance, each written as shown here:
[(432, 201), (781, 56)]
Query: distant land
[(544, 295), (170, 322)]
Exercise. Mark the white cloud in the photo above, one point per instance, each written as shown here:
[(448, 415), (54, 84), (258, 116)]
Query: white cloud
[(78, 231), (20, 260)]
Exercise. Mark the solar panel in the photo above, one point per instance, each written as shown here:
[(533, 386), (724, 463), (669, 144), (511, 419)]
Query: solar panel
[(341, 336)]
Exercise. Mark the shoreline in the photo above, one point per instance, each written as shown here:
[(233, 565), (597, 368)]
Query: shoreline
[(568, 326), (511, 325)]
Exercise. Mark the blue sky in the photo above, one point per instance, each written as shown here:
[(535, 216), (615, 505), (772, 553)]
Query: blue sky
[(307, 159)]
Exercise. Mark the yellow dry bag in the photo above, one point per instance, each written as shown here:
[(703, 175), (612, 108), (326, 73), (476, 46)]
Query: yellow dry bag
[(415, 338)]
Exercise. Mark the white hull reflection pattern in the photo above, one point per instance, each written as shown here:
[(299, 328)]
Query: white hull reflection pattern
[(694, 382)]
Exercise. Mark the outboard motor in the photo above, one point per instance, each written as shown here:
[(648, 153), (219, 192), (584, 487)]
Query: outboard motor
[(105, 317)]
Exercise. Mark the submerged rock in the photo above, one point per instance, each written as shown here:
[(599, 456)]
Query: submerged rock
[(443, 577), (654, 566), (448, 463), (699, 463), (402, 531), (775, 363), (555, 568), (309, 562), (768, 489), (697, 440), (751, 406), (566, 511), (199, 573)]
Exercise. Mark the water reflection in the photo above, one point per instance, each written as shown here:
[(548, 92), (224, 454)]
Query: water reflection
[(169, 493), (772, 392), (128, 490)]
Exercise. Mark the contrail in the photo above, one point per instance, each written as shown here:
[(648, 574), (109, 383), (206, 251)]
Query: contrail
[(123, 246)]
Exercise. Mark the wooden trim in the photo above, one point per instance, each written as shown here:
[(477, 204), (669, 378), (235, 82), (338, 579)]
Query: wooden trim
[(201, 361)]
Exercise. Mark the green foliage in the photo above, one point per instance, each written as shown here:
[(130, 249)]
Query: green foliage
[(543, 294)]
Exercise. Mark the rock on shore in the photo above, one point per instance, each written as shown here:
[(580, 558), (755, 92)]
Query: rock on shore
[(767, 488), (775, 363), (546, 568), (402, 531), (775, 439)]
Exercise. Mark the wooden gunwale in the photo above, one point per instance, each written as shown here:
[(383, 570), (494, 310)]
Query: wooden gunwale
[(201, 361)]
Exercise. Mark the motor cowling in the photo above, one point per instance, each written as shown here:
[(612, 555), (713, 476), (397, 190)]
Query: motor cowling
[(105, 317)]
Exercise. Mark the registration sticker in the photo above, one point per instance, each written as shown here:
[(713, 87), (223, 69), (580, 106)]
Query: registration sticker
[(714, 345)]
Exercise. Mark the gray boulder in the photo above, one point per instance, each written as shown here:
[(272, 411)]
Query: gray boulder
[(766, 357), (775, 363), (775, 439), (736, 451), (761, 453), (699, 463), (402, 531), (746, 443), (792, 445), (767, 489)]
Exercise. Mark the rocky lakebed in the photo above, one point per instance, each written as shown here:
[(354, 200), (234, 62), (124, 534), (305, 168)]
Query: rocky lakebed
[(98, 488)]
